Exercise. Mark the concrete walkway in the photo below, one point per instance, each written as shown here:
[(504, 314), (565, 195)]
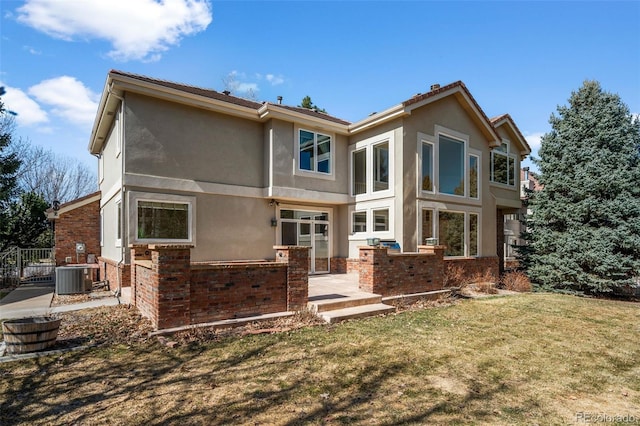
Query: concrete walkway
[(34, 299)]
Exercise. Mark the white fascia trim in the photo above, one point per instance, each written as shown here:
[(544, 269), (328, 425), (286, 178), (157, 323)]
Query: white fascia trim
[(378, 118), (269, 111), (305, 195), (54, 215), (188, 185), (527, 149)]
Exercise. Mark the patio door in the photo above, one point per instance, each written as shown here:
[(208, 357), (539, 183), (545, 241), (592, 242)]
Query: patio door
[(308, 229)]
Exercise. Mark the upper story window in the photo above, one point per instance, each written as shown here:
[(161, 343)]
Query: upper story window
[(314, 152), (451, 166), (372, 167), (503, 165), (381, 167), (447, 164)]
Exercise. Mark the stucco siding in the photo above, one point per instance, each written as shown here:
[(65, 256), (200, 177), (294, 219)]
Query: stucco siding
[(172, 140)]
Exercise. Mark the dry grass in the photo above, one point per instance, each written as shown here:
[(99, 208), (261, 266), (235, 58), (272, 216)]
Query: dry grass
[(524, 359), (516, 281)]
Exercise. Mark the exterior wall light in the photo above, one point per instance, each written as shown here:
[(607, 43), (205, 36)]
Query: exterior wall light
[(274, 222)]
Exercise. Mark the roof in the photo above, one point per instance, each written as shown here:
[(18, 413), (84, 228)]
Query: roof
[(119, 82), (224, 97), (73, 204), (507, 118)]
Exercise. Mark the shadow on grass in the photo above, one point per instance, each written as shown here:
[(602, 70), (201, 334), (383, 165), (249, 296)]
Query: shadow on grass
[(119, 379)]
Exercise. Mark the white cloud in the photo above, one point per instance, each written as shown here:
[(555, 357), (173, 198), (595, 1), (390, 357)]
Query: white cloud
[(137, 30), (534, 140), (274, 80), (636, 116), (28, 111), (68, 98)]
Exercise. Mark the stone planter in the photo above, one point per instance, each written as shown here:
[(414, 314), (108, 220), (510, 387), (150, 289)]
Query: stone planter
[(30, 334)]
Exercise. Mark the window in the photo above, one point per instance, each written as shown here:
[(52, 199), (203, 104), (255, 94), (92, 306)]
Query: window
[(314, 152), (473, 176), (473, 234), (447, 165), (163, 220), (119, 223), (101, 228), (427, 225), (359, 171), (451, 166), (359, 222), (381, 220), (427, 166), (458, 231), (381, 166), (451, 231), (503, 165), (372, 167)]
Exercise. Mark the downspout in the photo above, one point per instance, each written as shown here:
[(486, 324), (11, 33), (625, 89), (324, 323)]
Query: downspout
[(124, 208)]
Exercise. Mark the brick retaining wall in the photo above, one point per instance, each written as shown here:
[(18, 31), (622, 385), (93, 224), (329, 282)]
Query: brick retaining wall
[(172, 292), (390, 274)]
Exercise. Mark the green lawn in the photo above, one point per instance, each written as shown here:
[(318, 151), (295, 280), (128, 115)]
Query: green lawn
[(525, 359)]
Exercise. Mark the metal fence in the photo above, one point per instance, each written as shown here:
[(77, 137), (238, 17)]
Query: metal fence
[(27, 265)]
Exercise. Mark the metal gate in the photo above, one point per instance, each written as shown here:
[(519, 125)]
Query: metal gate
[(27, 265)]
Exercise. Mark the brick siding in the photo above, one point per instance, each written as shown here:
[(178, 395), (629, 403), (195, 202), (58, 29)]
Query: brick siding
[(80, 225), (109, 271), (171, 291), (391, 274), (474, 267)]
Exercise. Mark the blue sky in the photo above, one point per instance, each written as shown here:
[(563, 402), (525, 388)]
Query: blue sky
[(352, 58)]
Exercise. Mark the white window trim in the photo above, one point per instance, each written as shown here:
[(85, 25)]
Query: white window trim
[(134, 197), (440, 207), (117, 128), (332, 157), (369, 207), (435, 147), (368, 145), (478, 155), (460, 137), (430, 140), (119, 217), (508, 155), (352, 222), (102, 227)]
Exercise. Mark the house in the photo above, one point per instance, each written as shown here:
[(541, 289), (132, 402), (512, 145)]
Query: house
[(513, 225), (77, 230), (232, 177)]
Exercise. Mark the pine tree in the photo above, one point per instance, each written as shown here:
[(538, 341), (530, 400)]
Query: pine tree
[(584, 230)]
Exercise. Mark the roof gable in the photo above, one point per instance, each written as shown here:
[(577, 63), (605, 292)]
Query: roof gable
[(507, 121)]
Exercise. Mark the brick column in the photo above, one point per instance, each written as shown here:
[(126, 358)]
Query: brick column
[(438, 270), (372, 269), (297, 260), (138, 252), (171, 267)]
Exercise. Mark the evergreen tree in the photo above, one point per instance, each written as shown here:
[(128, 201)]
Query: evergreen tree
[(26, 225), (308, 104), (584, 230), (9, 165)]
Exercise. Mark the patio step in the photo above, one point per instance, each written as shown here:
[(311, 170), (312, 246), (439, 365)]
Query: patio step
[(332, 304), (362, 311)]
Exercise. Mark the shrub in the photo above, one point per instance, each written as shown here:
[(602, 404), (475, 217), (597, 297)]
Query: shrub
[(516, 281), (454, 277)]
